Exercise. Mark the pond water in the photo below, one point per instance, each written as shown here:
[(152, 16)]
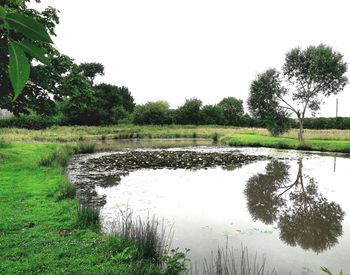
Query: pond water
[(292, 208)]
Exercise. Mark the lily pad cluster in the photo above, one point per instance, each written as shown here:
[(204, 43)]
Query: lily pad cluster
[(108, 170)]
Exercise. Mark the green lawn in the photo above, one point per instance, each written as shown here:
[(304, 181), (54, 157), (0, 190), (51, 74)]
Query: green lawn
[(38, 234)]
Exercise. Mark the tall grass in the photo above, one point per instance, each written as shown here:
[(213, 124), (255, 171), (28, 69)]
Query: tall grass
[(65, 190), (88, 217), (226, 262), (62, 156), (150, 236)]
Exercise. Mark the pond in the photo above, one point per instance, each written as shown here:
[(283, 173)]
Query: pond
[(289, 207)]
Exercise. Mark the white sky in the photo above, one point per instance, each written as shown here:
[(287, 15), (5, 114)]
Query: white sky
[(209, 49)]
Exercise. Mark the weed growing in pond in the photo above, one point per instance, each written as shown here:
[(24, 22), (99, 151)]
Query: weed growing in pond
[(226, 262), (87, 217)]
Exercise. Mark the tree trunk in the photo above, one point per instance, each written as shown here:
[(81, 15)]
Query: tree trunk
[(301, 130)]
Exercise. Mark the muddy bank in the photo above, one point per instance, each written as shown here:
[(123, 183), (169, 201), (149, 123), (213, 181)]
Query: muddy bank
[(108, 170)]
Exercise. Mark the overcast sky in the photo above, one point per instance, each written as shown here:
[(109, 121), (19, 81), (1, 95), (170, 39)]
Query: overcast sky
[(172, 50)]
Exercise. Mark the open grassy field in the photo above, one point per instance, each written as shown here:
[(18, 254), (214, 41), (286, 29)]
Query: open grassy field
[(324, 140)]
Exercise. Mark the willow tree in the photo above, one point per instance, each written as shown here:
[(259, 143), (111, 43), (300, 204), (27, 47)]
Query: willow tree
[(308, 77)]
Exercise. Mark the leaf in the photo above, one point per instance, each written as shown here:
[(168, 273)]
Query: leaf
[(34, 51), (19, 68), (28, 27), (326, 270)]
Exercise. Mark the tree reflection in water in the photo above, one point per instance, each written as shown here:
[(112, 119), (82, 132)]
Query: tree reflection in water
[(304, 216)]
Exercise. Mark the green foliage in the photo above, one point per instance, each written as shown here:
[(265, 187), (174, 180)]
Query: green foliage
[(175, 262), (212, 114), (189, 113), (27, 26), (30, 122), (314, 74), (19, 68), (152, 113), (112, 103), (233, 110), (91, 70), (19, 32)]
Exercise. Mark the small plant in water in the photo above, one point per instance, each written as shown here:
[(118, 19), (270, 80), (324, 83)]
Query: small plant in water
[(226, 262)]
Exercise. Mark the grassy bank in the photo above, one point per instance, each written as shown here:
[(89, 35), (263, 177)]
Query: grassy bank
[(40, 231), (324, 140), (252, 140)]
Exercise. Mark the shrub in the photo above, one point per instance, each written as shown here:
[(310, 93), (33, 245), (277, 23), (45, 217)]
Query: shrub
[(152, 113), (34, 122)]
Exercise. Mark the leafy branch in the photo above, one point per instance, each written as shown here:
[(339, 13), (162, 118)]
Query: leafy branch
[(23, 46)]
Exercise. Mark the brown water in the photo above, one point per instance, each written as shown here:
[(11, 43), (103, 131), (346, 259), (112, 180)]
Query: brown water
[(292, 209)]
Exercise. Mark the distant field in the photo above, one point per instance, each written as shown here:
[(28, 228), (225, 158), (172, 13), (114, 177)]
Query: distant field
[(325, 140)]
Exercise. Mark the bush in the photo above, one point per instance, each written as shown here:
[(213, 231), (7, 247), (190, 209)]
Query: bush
[(34, 122), (189, 113), (152, 113), (212, 114)]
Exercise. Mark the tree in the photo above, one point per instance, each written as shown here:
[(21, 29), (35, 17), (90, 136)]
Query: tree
[(189, 113), (91, 70), (112, 103), (212, 114), (152, 113), (312, 74), (233, 110)]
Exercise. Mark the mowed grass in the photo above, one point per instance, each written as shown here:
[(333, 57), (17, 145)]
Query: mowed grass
[(324, 140), (40, 234)]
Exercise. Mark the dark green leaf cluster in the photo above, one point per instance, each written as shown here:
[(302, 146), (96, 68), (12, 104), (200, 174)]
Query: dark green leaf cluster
[(22, 35)]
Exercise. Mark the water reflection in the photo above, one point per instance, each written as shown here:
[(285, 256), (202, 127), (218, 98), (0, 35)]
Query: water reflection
[(303, 215)]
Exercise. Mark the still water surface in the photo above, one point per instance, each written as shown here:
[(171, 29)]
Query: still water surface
[(293, 209)]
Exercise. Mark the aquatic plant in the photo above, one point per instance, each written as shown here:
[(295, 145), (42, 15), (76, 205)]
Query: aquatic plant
[(226, 262)]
